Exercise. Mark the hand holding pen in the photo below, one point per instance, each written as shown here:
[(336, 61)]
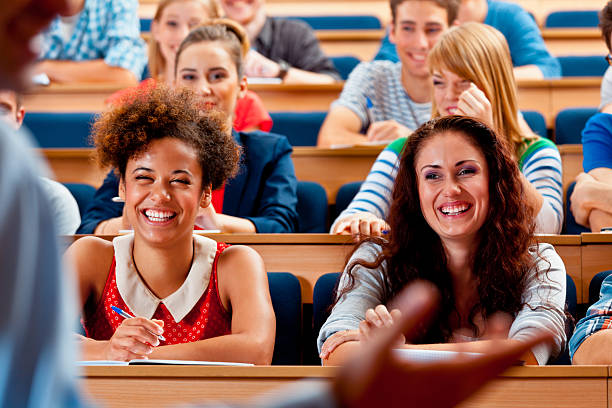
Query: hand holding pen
[(134, 338), (384, 130)]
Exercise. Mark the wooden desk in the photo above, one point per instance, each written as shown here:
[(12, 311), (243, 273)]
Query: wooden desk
[(329, 167), (163, 386), (333, 167), (69, 98), (596, 255), (574, 41), (308, 256), (545, 96), (550, 96)]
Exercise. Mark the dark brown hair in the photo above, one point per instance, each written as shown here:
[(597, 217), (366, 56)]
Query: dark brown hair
[(127, 130), (414, 251), (228, 32), (451, 6), (605, 23)]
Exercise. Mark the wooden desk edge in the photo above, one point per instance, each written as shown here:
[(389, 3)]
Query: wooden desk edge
[(297, 372), (272, 239), (596, 238)]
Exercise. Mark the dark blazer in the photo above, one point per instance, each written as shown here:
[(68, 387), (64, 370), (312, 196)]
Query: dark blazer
[(264, 190)]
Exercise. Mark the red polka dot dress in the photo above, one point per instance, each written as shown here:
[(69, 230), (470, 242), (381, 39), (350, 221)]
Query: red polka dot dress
[(193, 312)]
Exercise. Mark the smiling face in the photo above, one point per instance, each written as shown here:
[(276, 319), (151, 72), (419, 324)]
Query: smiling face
[(175, 22), (208, 69), (9, 111), (417, 28), (453, 184), (162, 189), (242, 11), (447, 87)]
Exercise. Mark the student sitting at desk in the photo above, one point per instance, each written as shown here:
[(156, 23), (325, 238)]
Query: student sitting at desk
[(94, 41), (528, 51), (382, 100), (472, 76), (262, 197), (282, 48), (458, 220), (172, 22), (210, 301), (63, 206)]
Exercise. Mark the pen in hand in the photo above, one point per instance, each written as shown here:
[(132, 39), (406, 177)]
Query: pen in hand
[(129, 316)]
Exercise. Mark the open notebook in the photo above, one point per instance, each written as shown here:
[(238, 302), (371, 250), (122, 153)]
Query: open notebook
[(159, 362)]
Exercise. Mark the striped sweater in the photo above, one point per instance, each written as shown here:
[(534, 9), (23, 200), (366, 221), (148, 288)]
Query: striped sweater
[(539, 162)]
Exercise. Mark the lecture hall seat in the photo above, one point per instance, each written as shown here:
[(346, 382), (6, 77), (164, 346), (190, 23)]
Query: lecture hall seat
[(569, 124), (583, 65), (572, 19), (340, 22), (60, 130), (311, 207), (286, 295), (595, 286), (82, 193), (345, 195), (301, 128), (536, 122)]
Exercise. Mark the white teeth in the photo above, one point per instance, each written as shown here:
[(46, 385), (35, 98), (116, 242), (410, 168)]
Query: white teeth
[(158, 216), (452, 110), (454, 209)]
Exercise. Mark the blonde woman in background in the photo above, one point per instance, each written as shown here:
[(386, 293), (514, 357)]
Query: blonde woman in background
[(472, 75)]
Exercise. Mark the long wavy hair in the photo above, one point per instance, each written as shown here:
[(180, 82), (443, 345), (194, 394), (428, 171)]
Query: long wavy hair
[(479, 53), (501, 261)]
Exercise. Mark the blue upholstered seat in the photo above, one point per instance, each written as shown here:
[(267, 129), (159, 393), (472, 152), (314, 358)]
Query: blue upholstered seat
[(572, 19), (60, 129), (301, 128), (583, 65), (311, 207), (340, 22), (82, 193), (286, 297), (569, 124)]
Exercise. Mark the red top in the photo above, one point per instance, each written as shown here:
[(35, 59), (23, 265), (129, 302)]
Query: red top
[(207, 319), (249, 114)]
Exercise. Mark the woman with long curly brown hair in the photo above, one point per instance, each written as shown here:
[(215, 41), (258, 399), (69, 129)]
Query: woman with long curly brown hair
[(458, 220)]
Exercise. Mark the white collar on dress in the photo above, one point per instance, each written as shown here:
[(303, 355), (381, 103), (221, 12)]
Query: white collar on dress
[(142, 301)]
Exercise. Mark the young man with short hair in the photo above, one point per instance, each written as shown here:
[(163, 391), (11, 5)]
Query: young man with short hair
[(383, 100)]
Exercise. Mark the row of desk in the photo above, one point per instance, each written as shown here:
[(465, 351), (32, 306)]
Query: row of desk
[(331, 168), (380, 8), (308, 256), (364, 44), (170, 386), (545, 96)]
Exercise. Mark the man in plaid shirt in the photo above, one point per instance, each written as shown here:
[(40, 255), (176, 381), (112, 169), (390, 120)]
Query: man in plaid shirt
[(94, 41)]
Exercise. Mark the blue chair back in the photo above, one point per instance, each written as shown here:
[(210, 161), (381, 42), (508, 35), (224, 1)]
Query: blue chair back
[(572, 19), (145, 25), (583, 65), (571, 227), (340, 22), (345, 64), (286, 297), (322, 298), (311, 207), (595, 286), (569, 124), (571, 299), (536, 122), (301, 128), (60, 129), (82, 193), (345, 195)]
